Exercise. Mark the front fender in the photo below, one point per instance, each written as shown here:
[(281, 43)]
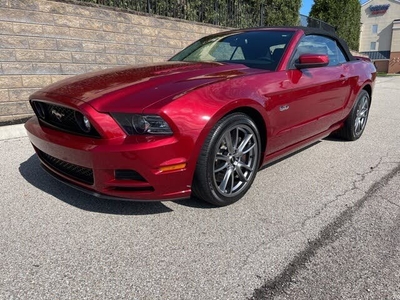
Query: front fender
[(193, 116)]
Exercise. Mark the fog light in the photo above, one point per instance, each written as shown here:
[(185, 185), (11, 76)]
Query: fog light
[(83, 122), (86, 122)]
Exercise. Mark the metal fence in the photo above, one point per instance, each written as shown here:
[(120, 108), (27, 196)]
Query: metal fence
[(315, 23), (228, 13)]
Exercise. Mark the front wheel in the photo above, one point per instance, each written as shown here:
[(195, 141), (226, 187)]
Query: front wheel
[(357, 120), (228, 161)]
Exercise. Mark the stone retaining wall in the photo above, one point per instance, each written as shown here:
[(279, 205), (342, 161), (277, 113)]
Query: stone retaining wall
[(45, 41)]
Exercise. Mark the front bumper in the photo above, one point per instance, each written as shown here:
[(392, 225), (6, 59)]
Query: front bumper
[(95, 165)]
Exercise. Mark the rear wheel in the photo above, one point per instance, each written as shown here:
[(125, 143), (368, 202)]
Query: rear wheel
[(228, 161), (357, 120)]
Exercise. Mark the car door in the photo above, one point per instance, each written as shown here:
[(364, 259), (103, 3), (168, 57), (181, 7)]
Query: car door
[(312, 99)]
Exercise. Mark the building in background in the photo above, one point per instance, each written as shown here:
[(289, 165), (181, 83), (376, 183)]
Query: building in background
[(380, 34)]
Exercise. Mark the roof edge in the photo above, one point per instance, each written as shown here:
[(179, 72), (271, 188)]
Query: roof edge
[(366, 3)]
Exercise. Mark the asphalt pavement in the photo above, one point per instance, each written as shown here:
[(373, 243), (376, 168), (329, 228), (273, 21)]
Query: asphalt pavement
[(356, 257), (320, 224)]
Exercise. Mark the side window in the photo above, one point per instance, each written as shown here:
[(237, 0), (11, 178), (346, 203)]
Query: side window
[(317, 44)]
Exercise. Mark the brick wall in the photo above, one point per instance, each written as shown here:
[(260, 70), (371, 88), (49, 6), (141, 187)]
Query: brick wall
[(45, 41)]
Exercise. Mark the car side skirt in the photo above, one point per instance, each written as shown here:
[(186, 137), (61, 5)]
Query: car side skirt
[(273, 157)]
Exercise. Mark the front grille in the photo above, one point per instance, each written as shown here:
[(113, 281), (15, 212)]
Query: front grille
[(81, 174), (62, 117)]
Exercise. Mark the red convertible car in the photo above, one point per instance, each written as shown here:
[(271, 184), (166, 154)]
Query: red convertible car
[(204, 122)]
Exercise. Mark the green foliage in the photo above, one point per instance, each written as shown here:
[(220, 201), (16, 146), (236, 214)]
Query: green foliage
[(229, 13), (282, 12), (345, 15), (247, 13)]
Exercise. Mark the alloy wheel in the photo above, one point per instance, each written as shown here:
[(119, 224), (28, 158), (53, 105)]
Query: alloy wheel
[(236, 160), (360, 120)]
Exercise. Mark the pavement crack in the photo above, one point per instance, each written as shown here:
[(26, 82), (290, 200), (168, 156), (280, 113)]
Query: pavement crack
[(330, 233), (389, 201), (257, 248), (260, 245), (337, 197)]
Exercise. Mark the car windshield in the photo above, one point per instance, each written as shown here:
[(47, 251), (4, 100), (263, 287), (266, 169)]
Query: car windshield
[(262, 49)]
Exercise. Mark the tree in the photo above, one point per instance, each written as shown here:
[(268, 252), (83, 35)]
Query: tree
[(345, 15), (282, 12), (245, 13)]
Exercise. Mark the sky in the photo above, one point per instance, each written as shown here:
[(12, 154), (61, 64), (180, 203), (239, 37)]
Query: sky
[(306, 6)]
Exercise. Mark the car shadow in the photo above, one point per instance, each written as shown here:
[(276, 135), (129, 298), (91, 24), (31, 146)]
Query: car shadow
[(274, 162), (32, 172), (195, 203), (333, 138)]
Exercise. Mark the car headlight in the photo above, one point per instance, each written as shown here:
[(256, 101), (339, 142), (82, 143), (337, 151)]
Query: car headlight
[(142, 124)]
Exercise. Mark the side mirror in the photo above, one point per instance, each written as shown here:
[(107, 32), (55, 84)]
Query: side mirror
[(306, 61)]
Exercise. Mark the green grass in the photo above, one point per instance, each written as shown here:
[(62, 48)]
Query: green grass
[(383, 74)]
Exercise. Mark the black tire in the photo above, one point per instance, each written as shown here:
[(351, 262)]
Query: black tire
[(357, 120), (229, 160)]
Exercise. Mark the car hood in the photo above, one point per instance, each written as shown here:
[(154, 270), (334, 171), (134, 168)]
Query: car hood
[(134, 88)]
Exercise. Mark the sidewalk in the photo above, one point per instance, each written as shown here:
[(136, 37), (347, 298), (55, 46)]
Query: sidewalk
[(12, 132)]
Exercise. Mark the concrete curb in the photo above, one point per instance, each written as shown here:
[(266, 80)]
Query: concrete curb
[(12, 132)]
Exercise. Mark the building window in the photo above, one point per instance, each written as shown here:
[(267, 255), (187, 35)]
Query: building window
[(373, 46), (375, 28)]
